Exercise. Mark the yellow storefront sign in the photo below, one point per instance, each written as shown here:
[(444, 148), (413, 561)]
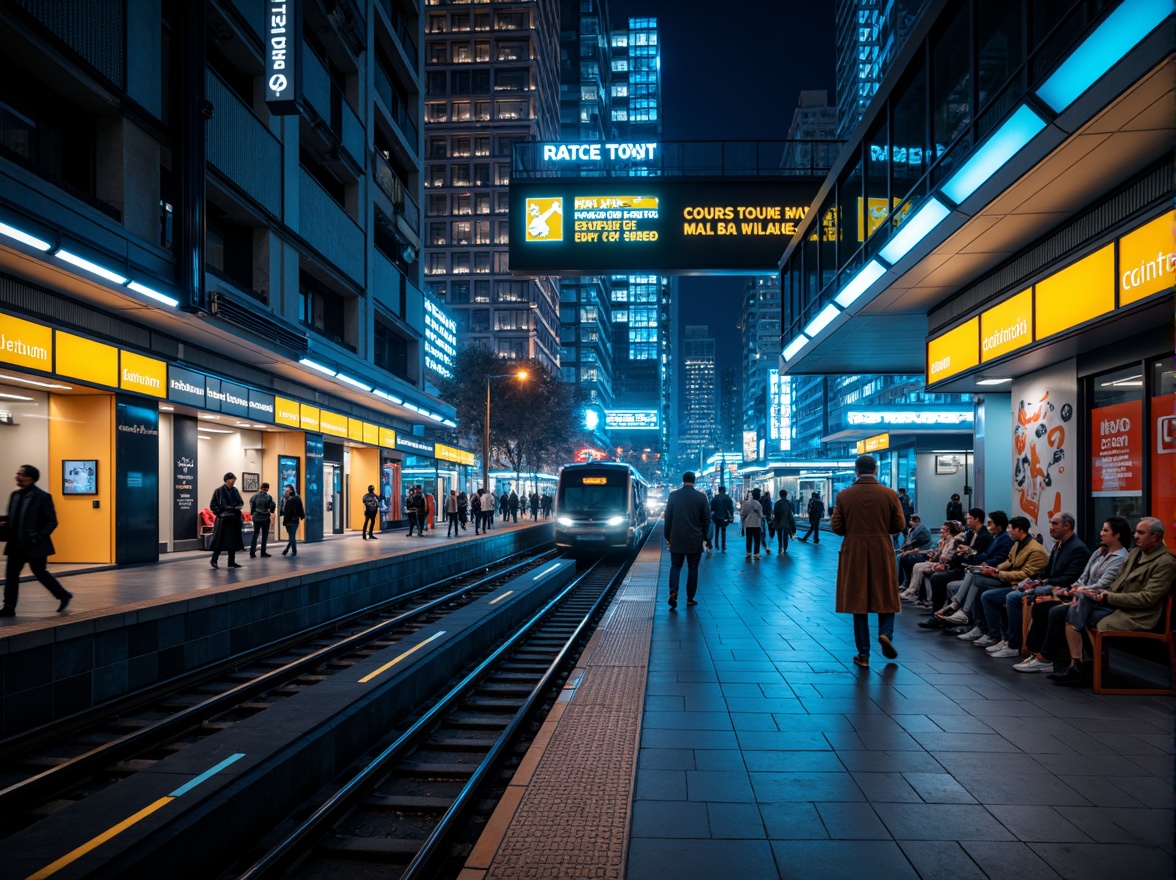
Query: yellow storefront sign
[(1077, 294), (309, 417), (26, 344), (142, 374), (371, 433), (1007, 326), (387, 437), (286, 413), (355, 430), (953, 352), (452, 453), (331, 423), (87, 360), (873, 444), (1147, 260)]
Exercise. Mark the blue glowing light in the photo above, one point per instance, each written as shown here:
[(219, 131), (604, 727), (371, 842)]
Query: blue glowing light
[(793, 348), (1099, 52), (1018, 130), (823, 319), (860, 283)]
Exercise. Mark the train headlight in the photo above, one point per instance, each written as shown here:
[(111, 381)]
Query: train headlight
[(615, 520), (565, 521)]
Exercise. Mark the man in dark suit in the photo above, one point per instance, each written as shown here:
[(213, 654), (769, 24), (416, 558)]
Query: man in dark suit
[(31, 520), (687, 521)]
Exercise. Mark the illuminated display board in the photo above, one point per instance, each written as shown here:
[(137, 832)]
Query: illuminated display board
[(440, 338), (877, 443), (593, 226), (631, 419)]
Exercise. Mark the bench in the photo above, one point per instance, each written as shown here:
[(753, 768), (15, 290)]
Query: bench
[(1102, 654)]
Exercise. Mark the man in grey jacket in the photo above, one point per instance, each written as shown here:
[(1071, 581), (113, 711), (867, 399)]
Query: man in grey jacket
[(687, 520)]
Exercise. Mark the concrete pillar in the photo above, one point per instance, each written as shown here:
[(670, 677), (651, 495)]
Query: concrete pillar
[(994, 452)]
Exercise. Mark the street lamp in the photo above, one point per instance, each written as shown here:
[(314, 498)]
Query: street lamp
[(521, 374)]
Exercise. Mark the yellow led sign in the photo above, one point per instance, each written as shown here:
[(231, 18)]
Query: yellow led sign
[(1077, 294), (953, 352), (331, 423), (87, 360), (594, 481), (355, 430), (371, 433), (873, 444), (309, 417), (1007, 326), (387, 438), (142, 374), (1147, 260), (26, 344), (286, 413)]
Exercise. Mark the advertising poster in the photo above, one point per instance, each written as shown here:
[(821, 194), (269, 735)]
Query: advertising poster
[(1045, 446), (1163, 464), (184, 475), (1116, 446)]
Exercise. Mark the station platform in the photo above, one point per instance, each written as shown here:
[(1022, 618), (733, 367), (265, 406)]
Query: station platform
[(128, 628), (737, 739)]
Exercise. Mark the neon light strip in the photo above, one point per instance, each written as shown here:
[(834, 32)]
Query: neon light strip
[(498, 599), (914, 231), (546, 571), (823, 319), (860, 283), (395, 660), (89, 846), (1018, 130)]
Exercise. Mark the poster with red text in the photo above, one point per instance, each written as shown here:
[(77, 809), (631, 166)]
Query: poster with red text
[(1116, 446)]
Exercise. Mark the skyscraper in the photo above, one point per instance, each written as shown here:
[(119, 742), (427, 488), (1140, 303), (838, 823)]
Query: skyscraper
[(870, 34), (760, 351), (491, 81), (698, 432)]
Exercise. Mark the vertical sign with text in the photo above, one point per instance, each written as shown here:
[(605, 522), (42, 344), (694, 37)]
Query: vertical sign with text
[(185, 507), (283, 56)]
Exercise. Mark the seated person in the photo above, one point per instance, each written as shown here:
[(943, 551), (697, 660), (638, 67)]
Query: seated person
[(1026, 558), (999, 544), (939, 558), (1002, 606), (1047, 624), (918, 541), (1132, 603)]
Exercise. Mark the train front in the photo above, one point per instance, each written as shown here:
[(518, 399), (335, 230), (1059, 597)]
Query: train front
[(592, 510)]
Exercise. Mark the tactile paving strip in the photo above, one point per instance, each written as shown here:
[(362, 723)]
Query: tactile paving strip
[(573, 818)]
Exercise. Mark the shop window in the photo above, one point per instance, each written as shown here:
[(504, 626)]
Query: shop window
[(1117, 438), (1160, 431)]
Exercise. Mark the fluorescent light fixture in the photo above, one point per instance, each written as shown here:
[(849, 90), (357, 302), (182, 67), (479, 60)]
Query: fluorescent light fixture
[(389, 397), (315, 365), (823, 319), (153, 294), (210, 418), (1018, 130), (993, 381), (355, 383), (1111, 40), (435, 417), (166, 408), (860, 283), (412, 406), (6, 378), (93, 268), (14, 397), (215, 431), (915, 229), (449, 423), (793, 348), (24, 238)]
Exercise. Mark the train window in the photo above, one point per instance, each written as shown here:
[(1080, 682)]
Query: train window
[(593, 498)]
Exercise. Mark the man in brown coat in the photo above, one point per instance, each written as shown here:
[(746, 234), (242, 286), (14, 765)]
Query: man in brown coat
[(867, 515)]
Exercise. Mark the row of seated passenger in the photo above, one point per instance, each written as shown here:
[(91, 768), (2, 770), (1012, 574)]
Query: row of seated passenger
[(993, 585)]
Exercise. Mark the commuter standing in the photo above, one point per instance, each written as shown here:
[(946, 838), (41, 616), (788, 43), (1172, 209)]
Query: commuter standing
[(534, 502), (751, 515), (816, 510), (371, 511), (488, 505), (722, 514), (514, 505), (476, 511), (293, 513), (784, 521), (261, 509), (453, 529), (226, 506), (463, 506), (868, 515), (687, 521), (504, 506), (766, 524), (31, 520), (955, 508)]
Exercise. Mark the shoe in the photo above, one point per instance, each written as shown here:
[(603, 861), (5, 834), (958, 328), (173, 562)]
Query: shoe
[(931, 623), (364, 537), (767, 552), (756, 556), (212, 562), (266, 555), (371, 537), (233, 565), (708, 552), (747, 556), (972, 634), (284, 552), (926, 606), (252, 555), (65, 602), (960, 616), (888, 650), (815, 541), (7, 612), (690, 603), (1006, 652), (985, 642), (1034, 665), (861, 660), (294, 553), (992, 649), (803, 540), (948, 610), (673, 600), (1074, 676)]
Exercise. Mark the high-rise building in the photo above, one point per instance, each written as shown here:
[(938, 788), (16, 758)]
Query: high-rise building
[(636, 88), (869, 34), (760, 350), (491, 81), (699, 431), (730, 410)]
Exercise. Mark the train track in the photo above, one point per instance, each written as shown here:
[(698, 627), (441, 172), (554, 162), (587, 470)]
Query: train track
[(60, 764), (401, 812)]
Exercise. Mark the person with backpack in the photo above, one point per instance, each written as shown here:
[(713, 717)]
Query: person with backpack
[(371, 510), (816, 511), (261, 510)]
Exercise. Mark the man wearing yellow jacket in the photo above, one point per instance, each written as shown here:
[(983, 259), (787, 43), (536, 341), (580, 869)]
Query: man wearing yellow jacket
[(1025, 560)]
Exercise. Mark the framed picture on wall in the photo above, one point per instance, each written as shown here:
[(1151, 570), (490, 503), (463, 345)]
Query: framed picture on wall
[(250, 482), (79, 476), (947, 464)]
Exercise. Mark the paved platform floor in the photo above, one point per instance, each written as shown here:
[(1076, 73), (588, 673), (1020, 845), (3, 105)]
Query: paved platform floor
[(763, 752)]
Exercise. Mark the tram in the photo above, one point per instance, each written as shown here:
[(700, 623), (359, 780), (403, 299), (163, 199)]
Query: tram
[(600, 508)]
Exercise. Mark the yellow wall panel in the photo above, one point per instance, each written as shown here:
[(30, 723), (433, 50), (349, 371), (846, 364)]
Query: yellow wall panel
[(82, 426), (87, 360), (1077, 294)]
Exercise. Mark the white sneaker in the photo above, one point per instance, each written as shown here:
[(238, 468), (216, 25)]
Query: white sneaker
[(971, 635), (999, 646), (1004, 652), (986, 642), (960, 616), (1032, 664)]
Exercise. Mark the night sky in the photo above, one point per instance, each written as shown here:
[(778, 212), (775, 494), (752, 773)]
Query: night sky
[(733, 71)]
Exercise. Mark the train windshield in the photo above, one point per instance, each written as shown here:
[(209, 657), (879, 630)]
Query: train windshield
[(590, 493)]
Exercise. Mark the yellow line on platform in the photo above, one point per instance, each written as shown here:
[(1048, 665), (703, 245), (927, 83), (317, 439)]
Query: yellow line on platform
[(396, 660), (71, 857), (500, 598)]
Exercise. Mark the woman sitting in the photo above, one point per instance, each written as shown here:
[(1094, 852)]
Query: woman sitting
[(938, 558)]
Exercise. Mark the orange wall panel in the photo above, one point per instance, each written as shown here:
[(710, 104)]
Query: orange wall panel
[(82, 426)]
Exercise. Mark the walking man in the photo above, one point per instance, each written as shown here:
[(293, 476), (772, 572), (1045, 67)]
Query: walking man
[(261, 509), (687, 520), (784, 520), (867, 515), (293, 513), (371, 510), (453, 530), (31, 520), (816, 510), (722, 512)]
